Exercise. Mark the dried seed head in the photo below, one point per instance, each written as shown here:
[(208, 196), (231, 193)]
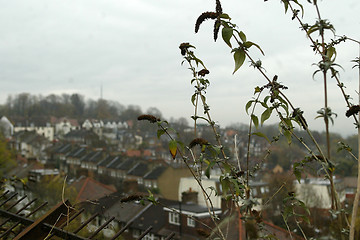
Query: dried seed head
[(130, 198), (218, 7), (203, 72), (198, 141), (204, 16), (353, 110), (216, 29), (183, 47), (149, 118)]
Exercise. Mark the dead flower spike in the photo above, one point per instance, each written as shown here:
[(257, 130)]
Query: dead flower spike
[(353, 110), (203, 72), (198, 141), (149, 118)]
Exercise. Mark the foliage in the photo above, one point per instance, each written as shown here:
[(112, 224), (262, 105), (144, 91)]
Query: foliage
[(272, 101), (7, 157), (53, 189)]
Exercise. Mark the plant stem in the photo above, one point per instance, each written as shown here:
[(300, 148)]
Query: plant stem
[(356, 199)]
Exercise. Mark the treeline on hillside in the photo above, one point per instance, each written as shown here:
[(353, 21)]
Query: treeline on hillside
[(74, 105)]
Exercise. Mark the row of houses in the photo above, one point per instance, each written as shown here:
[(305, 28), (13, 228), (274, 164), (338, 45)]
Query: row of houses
[(54, 128), (134, 168)]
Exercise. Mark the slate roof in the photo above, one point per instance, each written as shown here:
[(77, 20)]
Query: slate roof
[(81, 134), (115, 163), (192, 207), (155, 173), (93, 156), (125, 165), (138, 169), (77, 152), (126, 211), (63, 149), (29, 137), (153, 216)]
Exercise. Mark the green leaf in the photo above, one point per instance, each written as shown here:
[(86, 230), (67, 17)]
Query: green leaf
[(227, 167), (330, 52), (287, 134), (242, 36), (257, 90), (286, 4), (266, 99), (225, 183), (248, 105), (181, 145), (193, 98), (260, 134), (226, 35), (255, 120), (207, 171), (173, 148), (265, 115), (239, 57), (160, 132), (249, 44), (225, 16)]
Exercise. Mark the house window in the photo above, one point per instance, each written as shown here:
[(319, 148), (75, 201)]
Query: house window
[(190, 222), (147, 183), (140, 181), (254, 192), (174, 218)]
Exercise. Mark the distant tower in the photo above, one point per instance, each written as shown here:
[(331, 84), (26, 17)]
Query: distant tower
[(101, 91)]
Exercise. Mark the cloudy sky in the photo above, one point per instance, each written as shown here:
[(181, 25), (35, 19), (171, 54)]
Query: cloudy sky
[(131, 49)]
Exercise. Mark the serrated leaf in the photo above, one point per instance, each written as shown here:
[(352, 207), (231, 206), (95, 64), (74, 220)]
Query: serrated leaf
[(255, 120), (248, 105), (226, 35), (239, 57), (265, 115), (242, 36), (173, 148), (260, 134)]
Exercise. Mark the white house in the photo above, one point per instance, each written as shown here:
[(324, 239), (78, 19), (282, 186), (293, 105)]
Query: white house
[(64, 125), (47, 131), (258, 189), (6, 126), (316, 193)]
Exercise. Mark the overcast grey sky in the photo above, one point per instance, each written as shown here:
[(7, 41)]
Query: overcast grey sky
[(131, 49)]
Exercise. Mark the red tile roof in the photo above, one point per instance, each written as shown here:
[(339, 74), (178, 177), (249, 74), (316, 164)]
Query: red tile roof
[(89, 189)]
